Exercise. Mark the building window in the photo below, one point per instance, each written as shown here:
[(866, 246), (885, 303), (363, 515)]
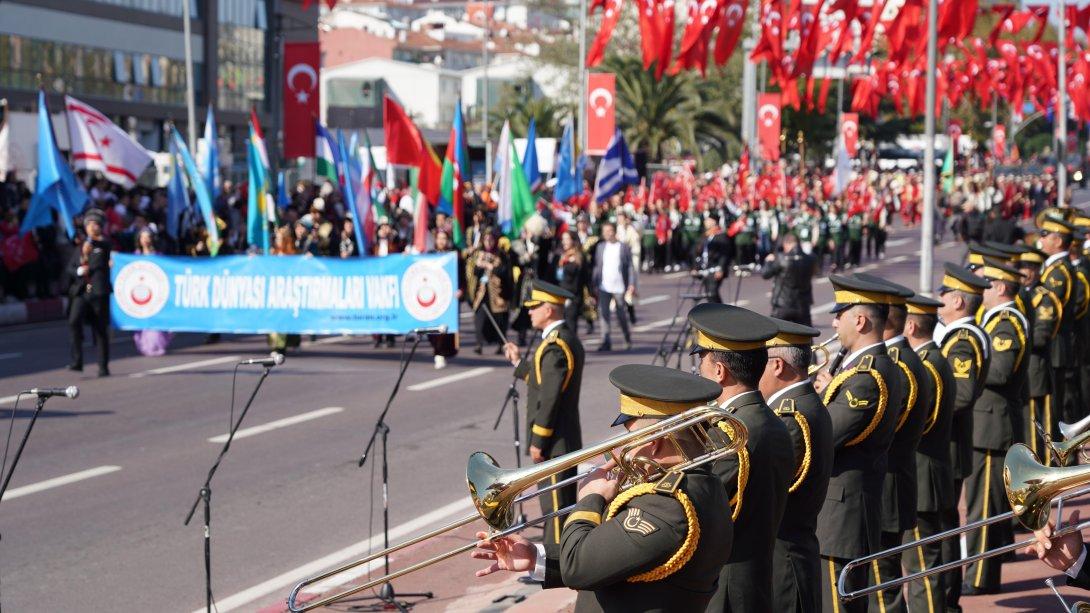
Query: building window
[(162, 7), (241, 54)]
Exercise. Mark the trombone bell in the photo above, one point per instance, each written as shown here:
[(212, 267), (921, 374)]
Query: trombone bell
[(1031, 486)]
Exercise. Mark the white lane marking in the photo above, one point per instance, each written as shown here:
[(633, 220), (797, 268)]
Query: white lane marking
[(9, 356), (279, 423), (898, 242), (676, 275), (327, 341), (897, 259), (59, 481), (284, 580), (473, 372), (823, 309), (7, 399), (654, 299), (656, 324), (187, 366)]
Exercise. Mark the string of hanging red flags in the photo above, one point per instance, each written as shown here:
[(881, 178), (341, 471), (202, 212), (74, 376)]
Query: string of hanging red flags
[(882, 41)]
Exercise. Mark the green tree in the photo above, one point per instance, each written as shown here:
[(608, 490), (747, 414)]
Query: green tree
[(518, 105)]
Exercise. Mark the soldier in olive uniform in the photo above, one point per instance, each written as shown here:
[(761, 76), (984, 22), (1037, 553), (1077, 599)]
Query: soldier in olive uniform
[(965, 347), (934, 477), (657, 546), (553, 378), (1012, 256), (899, 487), (864, 404), (1077, 377), (796, 565), (730, 341), (1058, 276), (1044, 317), (996, 417)]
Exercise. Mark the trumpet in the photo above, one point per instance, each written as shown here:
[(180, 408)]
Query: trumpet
[(1031, 489), (496, 492), (825, 358)]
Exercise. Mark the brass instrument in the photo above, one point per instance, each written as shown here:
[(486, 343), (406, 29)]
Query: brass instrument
[(825, 357), (496, 491), (1074, 441), (1079, 607), (1073, 430), (1031, 489)]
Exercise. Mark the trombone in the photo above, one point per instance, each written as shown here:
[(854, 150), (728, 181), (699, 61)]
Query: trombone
[(824, 359), (496, 492), (1031, 489), (1074, 439)]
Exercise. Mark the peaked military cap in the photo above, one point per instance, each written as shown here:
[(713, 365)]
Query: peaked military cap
[(918, 304), (850, 291), (657, 392), (895, 293), (1011, 251), (791, 333), (1049, 223), (542, 292), (1032, 257), (998, 270), (962, 279), (1081, 221), (725, 327), (977, 253)]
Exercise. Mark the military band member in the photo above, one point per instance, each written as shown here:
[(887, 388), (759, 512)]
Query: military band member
[(1045, 310), (1012, 256), (1077, 377), (1055, 236), (553, 377), (934, 477), (657, 546), (965, 347), (996, 417), (863, 403), (796, 567), (899, 487), (731, 344)]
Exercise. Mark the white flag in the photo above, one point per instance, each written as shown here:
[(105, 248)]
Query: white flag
[(501, 175), (6, 164), (843, 170), (98, 144)]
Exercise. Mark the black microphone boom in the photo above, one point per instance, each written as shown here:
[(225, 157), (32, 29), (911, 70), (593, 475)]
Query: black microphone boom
[(269, 362), (46, 392)]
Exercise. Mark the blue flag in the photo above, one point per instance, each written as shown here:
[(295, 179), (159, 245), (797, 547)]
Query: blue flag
[(616, 169), (200, 188), (56, 187), (283, 198), (257, 221), (568, 184), (529, 160), (350, 184), (210, 164), (177, 197)]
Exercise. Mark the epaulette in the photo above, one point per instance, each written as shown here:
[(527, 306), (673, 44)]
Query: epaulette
[(552, 335), (923, 354), (670, 482), (963, 334), (894, 354), (787, 407), (865, 364)]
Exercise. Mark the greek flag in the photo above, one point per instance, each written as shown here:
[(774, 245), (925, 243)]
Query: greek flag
[(616, 169)]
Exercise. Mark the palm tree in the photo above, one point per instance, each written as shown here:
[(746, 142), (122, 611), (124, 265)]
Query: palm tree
[(518, 104)]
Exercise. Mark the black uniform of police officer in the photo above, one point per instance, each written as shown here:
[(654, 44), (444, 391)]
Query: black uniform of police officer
[(756, 481), (554, 375), (796, 565)]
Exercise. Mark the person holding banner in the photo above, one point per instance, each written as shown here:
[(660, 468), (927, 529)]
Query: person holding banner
[(150, 342), (89, 293)]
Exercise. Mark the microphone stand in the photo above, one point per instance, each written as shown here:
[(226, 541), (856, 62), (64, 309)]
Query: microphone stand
[(387, 597), (662, 352), (22, 443), (512, 398), (205, 494)]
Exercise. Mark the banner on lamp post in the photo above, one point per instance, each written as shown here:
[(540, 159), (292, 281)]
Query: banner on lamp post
[(999, 142), (849, 132), (768, 126), (302, 62), (601, 111)]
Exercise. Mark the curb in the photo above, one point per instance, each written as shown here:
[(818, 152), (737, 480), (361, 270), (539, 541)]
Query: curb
[(32, 311)]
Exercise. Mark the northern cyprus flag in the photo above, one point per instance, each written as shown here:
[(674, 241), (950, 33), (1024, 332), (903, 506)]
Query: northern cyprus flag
[(99, 144)]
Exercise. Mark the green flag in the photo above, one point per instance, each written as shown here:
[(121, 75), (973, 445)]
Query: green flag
[(948, 171)]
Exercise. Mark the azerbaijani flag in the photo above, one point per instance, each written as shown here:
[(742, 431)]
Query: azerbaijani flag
[(455, 162), (325, 153)]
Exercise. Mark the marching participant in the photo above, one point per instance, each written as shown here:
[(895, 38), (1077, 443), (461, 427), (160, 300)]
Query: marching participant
[(796, 568), (899, 488), (1078, 377), (934, 477), (965, 347), (731, 343), (656, 546), (553, 378), (996, 418), (863, 403), (1044, 315), (1057, 275)]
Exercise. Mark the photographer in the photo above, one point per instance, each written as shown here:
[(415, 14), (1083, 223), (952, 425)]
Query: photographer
[(713, 259), (792, 292)]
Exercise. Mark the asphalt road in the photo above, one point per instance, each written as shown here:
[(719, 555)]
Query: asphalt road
[(289, 498)]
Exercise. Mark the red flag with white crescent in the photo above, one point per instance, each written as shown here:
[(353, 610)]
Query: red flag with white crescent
[(849, 132), (768, 126), (601, 111), (610, 18), (302, 63)]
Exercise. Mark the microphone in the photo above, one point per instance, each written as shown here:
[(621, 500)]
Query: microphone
[(47, 392), (429, 330), (275, 359)]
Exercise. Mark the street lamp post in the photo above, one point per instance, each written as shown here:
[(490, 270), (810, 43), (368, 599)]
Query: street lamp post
[(190, 103), (1061, 109), (927, 228)]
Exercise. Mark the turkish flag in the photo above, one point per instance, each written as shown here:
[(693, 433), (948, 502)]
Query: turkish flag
[(302, 61), (649, 31), (768, 126), (610, 18), (849, 132), (731, 22), (999, 142), (406, 146), (601, 111), (18, 250)]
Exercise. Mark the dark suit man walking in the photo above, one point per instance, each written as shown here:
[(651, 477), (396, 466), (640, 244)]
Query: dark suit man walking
[(89, 293)]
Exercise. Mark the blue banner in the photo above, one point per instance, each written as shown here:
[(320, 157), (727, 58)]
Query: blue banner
[(286, 294)]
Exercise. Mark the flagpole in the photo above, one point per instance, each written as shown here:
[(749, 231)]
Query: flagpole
[(484, 100), (1061, 110), (191, 110), (582, 78), (927, 228)]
